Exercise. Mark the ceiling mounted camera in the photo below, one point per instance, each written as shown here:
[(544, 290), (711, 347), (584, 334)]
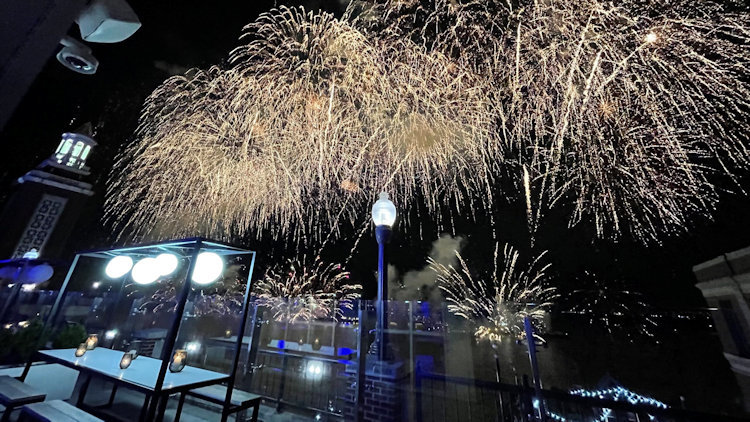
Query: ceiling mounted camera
[(102, 21), (77, 57)]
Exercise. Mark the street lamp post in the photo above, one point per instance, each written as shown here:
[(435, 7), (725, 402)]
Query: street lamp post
[(383, 215)]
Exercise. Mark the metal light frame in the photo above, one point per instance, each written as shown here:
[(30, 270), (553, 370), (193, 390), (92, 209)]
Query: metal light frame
[(189, 247)]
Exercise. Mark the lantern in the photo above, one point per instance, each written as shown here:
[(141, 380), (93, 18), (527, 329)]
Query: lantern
[(178, 360)]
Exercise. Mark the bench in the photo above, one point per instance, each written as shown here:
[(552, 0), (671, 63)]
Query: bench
[(241, 400), (54, 411), (14, 393)]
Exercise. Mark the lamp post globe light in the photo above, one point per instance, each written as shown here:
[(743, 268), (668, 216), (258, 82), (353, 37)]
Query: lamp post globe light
[(383, 215)]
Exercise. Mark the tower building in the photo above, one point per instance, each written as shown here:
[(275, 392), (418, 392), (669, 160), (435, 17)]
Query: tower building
[(42, 210)]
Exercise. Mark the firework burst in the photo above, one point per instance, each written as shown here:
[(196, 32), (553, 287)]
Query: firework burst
[(623, 113), (311, 120), (497, 306), (613, 307), (297, 291)]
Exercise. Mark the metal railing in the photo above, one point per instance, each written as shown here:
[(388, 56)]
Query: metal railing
[(444, 398)]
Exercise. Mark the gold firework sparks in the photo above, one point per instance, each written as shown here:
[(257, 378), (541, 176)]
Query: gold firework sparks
[(311, 120), (497, 306), (623, 113), (297, 291)]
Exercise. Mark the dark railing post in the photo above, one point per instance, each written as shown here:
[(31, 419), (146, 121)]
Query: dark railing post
[(362, 339), (418, 393), (240, 337), (534, 367)]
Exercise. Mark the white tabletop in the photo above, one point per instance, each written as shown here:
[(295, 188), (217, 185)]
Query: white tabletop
[(143, 371)]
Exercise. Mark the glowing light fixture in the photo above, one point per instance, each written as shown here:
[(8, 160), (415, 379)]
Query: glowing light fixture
[(146, 271), (383, 211), (92, 341), (651, 37), (80, 350), (110, 334), (314, 368), (193, 346), (167, 263), (126, 360), (118, 266), (208, 267), (178, 360)]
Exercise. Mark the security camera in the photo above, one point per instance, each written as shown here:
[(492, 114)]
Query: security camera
[(77, 57), (102, 21), (107, 21)]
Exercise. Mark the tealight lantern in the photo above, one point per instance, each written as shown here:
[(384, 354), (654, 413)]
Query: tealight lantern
[(127, 358), (92, 341), (178, 360), (80, 350)]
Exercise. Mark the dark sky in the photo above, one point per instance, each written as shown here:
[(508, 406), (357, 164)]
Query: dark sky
[(192, 34)]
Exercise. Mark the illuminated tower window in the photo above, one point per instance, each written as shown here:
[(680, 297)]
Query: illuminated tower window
[(73, 150)]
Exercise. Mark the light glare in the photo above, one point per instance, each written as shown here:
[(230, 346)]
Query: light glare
[(146, 271), (118, 266), (208, 267), (167, 263)]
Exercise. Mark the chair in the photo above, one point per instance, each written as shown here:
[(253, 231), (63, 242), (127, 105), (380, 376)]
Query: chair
[(240, 401), (14, 393), (54, 411)]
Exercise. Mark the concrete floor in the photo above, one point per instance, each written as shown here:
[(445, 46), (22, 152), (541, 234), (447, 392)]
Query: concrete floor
[(127, 407)]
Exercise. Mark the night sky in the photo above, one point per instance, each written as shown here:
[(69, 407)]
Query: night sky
[(199, 34), (172, 40)]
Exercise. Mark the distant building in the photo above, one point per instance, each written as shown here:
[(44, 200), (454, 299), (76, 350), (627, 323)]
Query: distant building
[(46, 201), (725, 283)]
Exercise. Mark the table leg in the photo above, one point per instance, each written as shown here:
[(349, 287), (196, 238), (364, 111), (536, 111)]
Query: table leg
[(163, 400), (112, 396), (179, 408), (26, 369), (82, 393), (256, 409), (144, 408), (154, 403), (6, 414)]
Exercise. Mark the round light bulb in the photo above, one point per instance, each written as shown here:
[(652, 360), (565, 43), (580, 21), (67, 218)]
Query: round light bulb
[(146, 271), (383, 211), (118, 266), (208, 267), (167, 263)]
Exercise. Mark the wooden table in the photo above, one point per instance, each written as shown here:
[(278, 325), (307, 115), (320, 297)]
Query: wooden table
[(140, 376), (14, 393)]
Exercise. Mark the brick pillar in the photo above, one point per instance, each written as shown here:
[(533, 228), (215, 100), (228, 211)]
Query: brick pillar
[(385, 398)]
